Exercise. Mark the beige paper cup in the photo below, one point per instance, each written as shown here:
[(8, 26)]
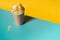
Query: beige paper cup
[(18, 13)]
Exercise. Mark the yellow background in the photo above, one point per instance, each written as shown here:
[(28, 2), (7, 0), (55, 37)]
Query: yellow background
[(43, 9)]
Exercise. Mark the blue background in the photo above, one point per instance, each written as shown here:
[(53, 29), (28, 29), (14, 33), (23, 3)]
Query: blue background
[(35, 29)]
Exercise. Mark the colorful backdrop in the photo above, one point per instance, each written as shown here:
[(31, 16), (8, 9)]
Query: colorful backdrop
[(43, 9)]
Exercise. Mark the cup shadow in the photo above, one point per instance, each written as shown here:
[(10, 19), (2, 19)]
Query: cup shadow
[(27, 19)]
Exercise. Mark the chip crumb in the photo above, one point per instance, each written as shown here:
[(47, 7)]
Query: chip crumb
[(9, 28)]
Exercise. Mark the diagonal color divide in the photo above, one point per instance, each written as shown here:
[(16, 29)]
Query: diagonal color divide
[(43, 9)]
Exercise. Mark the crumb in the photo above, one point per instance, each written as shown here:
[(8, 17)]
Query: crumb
[(9, 28)]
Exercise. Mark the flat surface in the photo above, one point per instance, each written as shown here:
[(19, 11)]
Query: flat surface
[(35, 29)]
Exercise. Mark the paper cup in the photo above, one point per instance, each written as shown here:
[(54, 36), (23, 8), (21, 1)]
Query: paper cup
[(18, 13)]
